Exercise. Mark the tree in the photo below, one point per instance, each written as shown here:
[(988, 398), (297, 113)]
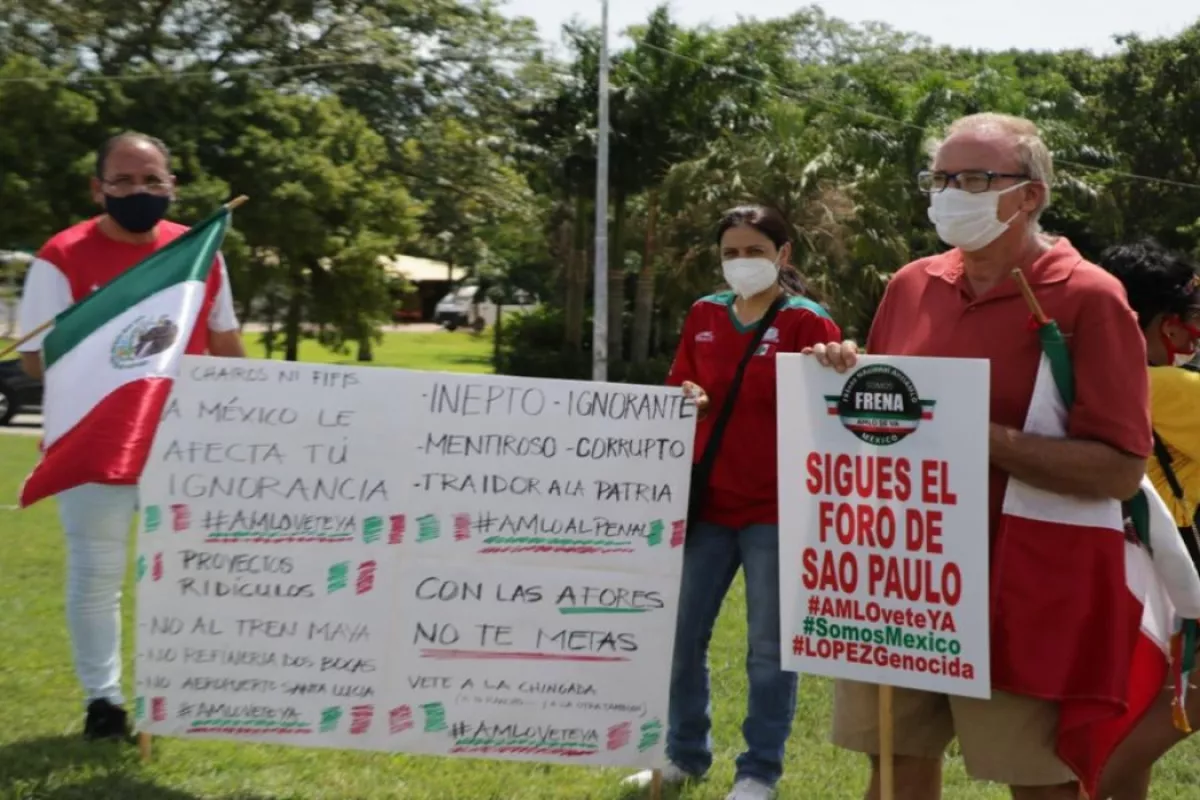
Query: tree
[(1149, 108), (321, 206), (48, 137)]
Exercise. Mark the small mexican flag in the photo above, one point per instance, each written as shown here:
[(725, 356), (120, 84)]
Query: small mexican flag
[(1084, 605), (110, 362)]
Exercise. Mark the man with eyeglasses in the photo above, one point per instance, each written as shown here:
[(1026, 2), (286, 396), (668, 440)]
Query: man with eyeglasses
[(134, 186), (988, 186)]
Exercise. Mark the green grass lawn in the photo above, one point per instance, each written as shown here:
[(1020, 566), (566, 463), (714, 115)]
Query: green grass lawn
[(458, 351), (42, 756)]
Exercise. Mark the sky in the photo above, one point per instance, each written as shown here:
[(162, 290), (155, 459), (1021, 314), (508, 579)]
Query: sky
[(1004, 24)]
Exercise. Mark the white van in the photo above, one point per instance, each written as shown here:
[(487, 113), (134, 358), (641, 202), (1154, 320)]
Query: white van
[(459, 308)]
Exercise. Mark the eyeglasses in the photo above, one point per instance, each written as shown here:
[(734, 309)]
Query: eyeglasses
[(969, 180), (123, 187)]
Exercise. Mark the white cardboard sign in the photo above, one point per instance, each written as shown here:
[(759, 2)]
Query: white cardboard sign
[(883, 502), (380, 559)]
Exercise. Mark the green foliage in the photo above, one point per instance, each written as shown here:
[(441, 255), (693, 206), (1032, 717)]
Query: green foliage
[(531, 346), (359, 130), (829, 122)]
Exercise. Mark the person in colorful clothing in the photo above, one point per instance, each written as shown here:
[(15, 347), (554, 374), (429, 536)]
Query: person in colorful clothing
[(1164, 290), (738, 516), (989, 184), (134, 185)]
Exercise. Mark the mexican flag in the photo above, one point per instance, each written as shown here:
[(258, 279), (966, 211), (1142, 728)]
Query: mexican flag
[(1084, 607), (110, 362)]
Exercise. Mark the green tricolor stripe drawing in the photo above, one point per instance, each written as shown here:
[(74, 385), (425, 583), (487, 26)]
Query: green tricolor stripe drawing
[(110, 362)]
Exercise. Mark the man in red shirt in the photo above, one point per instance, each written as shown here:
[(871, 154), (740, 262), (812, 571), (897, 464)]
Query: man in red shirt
[(134, 185), (989, 184)]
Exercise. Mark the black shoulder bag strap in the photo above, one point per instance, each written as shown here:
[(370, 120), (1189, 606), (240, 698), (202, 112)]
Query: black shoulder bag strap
[(1164, 461), (702, 470)]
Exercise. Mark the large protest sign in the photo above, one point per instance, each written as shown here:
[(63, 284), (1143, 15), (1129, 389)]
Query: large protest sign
[(883, 502), (381, 559)]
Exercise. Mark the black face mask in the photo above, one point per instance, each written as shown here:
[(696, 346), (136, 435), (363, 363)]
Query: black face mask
[(137, 213)]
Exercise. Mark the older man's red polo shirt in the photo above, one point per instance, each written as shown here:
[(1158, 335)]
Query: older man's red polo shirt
[(930, 310)]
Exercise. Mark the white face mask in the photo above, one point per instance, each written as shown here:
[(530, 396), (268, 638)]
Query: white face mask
[(749, 276), (968, 221), (1183, 359)]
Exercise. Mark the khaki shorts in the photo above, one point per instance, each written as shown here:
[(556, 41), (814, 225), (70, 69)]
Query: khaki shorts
[(1008, 739)]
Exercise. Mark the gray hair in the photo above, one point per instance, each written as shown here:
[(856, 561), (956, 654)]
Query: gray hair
[(1032, 152)]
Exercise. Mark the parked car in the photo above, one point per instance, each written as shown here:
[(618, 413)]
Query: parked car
[(19, 393), (454, 311), (468, 307)]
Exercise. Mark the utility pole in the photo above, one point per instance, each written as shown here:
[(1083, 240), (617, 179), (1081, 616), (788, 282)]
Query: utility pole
[(600, 267)]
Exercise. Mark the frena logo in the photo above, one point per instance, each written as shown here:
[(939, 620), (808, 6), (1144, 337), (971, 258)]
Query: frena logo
[(879, 405), (141, 340)]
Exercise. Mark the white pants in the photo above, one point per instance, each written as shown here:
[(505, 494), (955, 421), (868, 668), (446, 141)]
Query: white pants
[(97, 520)]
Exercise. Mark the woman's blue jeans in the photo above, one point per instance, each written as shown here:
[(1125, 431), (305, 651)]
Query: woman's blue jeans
[(711, 558)]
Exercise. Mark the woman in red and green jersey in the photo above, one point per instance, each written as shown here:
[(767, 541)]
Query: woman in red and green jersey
[(738, 525)]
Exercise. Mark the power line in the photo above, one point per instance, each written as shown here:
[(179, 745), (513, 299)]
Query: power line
[(205, 73), (81, 78)]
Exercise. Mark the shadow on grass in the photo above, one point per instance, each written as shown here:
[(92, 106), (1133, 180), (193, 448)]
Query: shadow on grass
[(669, 792), (464, 359), (439, 361), (68, 768), (123, 787)]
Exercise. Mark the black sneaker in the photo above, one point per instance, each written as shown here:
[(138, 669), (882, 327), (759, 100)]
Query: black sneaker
[(106, 721)]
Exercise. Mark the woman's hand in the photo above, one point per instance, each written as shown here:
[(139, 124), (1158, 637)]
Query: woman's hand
[(698, 396), (841, 356)]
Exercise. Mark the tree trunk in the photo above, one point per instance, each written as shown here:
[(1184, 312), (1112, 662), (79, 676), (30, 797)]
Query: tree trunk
[(616, 283), (497, 332), (365, 349), (295, 310), (643, 304), (577, 278)]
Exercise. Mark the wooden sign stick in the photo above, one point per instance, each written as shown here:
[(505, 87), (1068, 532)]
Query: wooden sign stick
[(144, 746), (887, 745), (656, 785)]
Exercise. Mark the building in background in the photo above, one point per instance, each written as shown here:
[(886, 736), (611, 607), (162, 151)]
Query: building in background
[(431, 281)]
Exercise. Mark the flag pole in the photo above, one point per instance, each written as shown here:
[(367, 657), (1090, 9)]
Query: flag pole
[(45, 326), (1030, 299), (39, 329)]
